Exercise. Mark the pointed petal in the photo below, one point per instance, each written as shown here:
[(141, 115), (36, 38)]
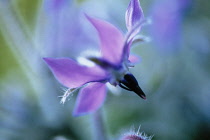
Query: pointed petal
[(90, 98), (134, 20), (111, 40), (134, 14), (71, 74)]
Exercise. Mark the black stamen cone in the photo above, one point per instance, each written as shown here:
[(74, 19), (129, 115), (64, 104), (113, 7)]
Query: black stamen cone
[(130, 83)]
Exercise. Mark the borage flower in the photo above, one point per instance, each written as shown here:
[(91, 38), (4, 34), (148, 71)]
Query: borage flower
[(168, 18), (112, 67)]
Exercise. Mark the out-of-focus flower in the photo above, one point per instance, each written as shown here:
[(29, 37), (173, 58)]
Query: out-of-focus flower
[(60, 26), (167, 20), (112, 67), (55, 6)]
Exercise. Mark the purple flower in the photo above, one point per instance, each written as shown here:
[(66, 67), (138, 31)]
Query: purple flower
[(167, 20), (112, 66), (60, 27)]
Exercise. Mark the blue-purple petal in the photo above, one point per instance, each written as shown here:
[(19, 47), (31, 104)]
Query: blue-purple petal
[(90, 98), (133, 15), (69, 73), (134, 19), (111, 40)]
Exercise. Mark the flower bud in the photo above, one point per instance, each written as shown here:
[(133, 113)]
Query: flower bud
[(136, 136)]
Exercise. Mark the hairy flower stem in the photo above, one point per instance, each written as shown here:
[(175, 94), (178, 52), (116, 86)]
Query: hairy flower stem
[(98, 126)]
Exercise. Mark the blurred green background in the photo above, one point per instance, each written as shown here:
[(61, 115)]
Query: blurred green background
[(175, 80)]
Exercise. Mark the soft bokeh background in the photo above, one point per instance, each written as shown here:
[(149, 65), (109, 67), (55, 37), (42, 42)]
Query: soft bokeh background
[(174, 71)]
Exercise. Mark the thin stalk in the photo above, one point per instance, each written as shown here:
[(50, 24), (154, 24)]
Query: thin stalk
[(98, 126)]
